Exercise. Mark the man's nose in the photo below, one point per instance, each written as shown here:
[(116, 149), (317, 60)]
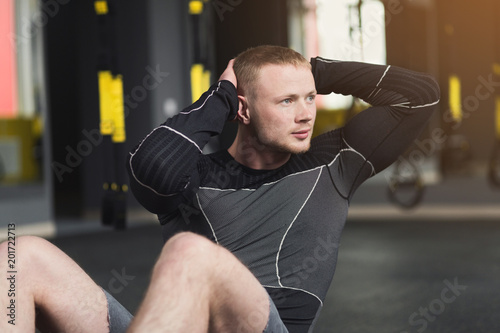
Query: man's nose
[(305, 112)]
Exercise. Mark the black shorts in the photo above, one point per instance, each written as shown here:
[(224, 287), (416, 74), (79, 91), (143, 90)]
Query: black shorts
[(274, 324), (119, 318)]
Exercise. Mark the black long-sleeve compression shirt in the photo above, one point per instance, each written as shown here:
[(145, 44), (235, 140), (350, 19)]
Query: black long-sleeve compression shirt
[(283, 224)]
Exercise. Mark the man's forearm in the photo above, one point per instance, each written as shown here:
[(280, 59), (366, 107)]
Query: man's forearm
[(207, 116), (375, 84)]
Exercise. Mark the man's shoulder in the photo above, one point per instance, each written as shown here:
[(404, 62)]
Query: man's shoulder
[(325, 145)]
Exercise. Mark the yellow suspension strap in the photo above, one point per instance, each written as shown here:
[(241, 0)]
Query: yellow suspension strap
[(455, 153), (112, 118), (200, 75), (496, 72), (455, 98)]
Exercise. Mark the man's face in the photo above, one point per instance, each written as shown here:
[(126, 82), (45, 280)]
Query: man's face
[(282, 108)]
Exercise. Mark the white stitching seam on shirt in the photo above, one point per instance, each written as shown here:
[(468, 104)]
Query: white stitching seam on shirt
[(266, 184), (206, 218), (289, 227), (290, 175), (405, 105), (292, 288), (204, 102), (379, 81), (139, 147), (357, 152)]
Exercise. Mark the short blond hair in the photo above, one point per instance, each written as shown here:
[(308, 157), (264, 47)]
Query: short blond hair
[(247, 64)]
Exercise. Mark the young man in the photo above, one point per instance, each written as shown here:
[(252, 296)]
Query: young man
[(252, 232), (276, 199)]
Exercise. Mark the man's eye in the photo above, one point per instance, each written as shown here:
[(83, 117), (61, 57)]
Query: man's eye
[(287, 101), (311, 98)]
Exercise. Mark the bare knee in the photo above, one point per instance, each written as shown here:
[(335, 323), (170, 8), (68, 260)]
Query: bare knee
[(188, 243), (30, 255), (29, 248), (186, 248)]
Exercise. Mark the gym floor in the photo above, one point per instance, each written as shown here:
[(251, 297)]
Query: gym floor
[(397, 271)]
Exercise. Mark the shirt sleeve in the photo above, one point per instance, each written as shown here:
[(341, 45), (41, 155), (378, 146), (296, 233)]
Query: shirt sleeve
[(402, 101), (163, 166)]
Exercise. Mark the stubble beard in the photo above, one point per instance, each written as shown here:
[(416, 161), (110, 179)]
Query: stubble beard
[(282, 147)]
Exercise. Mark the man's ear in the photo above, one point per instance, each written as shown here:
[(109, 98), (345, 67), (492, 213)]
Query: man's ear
[(243, 115)]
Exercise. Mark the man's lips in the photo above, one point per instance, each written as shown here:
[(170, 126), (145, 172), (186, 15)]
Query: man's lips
[(302, 134)]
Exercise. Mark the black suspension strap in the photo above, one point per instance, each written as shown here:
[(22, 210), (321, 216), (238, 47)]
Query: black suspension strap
[(112, 119), (494, 165)]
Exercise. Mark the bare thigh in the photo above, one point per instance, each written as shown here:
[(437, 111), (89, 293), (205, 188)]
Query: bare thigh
[(200, 286), (65, 298)]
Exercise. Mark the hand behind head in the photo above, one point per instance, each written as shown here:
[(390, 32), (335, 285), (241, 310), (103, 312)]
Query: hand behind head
[(229, 74)]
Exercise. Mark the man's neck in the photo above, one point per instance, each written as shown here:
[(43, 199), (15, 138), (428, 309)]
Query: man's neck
[(252, 154)]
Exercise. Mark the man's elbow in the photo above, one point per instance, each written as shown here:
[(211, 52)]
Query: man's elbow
[(151, 200), (433, 90)]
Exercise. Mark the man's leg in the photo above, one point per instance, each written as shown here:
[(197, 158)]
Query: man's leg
[(65, 297), (198, 286)]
